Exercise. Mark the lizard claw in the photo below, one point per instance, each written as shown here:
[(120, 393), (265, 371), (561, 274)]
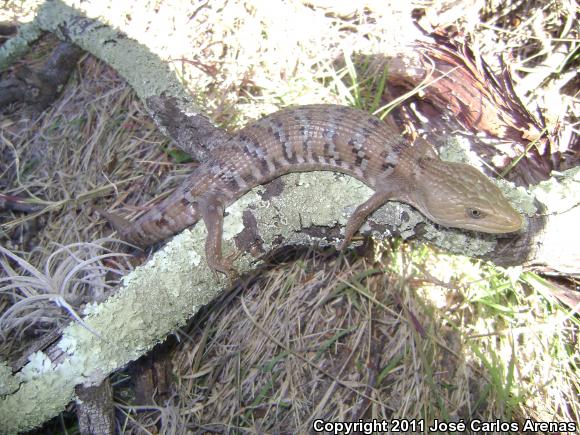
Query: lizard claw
[(225, 266), (343, 245)]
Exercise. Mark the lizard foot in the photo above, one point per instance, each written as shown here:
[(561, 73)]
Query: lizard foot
[(225, 266)]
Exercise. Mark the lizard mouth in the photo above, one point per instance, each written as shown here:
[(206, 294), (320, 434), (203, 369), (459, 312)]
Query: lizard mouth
[(497, 225)]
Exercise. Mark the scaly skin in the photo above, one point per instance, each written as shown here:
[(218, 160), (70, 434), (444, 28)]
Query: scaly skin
[(327, 138)]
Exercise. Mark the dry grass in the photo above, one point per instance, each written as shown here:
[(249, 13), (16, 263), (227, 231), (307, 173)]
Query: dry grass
[(95, 142), (418, 334)]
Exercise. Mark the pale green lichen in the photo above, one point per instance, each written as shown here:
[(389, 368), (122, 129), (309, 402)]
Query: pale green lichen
[(38, 364), (144, 70), (519, 197), (234, 224), (300, 205), (21, 410), (561, 192), (8, 383), (402, 216), (155, 299), (458, 149), (18, 45), (459, 242)]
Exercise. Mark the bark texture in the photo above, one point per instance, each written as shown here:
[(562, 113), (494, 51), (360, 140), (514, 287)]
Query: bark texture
[(95, 409), (40, 88)]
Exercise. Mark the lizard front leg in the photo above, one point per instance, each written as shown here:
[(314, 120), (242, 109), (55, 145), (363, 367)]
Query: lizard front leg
[(362, 212), (212, 207)]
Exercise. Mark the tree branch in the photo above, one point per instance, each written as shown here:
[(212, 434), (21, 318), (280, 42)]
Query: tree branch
[(161, 295), (169, 103), (41, 88)]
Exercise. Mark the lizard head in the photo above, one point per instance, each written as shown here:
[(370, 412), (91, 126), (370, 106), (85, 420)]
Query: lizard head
[(458, 195)]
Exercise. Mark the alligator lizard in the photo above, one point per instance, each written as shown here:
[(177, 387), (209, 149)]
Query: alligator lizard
[(331, 138)]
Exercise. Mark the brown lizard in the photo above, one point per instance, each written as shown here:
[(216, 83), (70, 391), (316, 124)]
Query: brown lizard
[(327, 138)]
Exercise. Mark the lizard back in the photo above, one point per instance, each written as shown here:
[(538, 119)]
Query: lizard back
[(305, 138)]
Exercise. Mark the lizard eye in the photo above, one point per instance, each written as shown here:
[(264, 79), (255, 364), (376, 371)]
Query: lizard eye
[(475, 213)]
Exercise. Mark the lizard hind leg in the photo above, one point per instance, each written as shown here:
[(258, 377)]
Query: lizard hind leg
[(212, 212)]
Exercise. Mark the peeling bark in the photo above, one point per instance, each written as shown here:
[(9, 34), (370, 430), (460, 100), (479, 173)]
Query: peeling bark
[(40, 89), (95, 409), (195, 135), (454, 81)]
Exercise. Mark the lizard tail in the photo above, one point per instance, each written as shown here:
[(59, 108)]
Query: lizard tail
[(119, 224)]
